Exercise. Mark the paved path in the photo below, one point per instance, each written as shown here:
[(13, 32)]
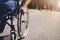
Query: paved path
[(43, 26)]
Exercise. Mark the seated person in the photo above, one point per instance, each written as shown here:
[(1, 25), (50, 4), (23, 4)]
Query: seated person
[(9, 6)]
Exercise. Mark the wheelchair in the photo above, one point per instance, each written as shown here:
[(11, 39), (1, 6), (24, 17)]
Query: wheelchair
[(17, 13)]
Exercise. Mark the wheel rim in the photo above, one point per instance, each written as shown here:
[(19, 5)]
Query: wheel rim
[(24, 25)]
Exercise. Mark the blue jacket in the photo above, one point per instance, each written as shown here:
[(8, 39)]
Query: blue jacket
[(7, 6)]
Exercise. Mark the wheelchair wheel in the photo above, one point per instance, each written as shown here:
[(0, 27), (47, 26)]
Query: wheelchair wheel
[(23, 27)]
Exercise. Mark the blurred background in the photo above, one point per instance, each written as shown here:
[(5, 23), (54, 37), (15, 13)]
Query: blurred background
[(52, 5)]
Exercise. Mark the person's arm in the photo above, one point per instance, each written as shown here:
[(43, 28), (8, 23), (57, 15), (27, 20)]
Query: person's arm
[(27, 3), (25, 6)]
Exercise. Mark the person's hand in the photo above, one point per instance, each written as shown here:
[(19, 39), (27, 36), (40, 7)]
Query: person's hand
[(24, 9)]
